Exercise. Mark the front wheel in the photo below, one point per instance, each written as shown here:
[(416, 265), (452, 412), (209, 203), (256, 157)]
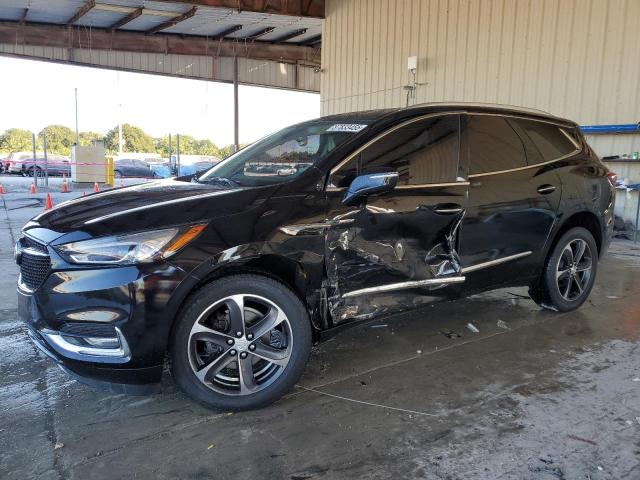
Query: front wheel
[(569, 272), (242, 343)]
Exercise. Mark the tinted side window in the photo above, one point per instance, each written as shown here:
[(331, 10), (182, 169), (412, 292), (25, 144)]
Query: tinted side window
[(549, 139), (493, 145), (423, 152)]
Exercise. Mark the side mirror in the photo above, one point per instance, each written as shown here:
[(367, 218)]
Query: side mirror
[(368, 184)]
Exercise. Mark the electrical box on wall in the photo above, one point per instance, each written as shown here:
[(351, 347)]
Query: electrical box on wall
[(412, 63)]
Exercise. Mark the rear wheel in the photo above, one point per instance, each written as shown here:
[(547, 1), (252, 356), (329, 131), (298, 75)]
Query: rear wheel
[(242, 343), (35, 171), (569, 272)]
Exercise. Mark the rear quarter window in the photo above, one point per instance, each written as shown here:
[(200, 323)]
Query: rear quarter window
[(552, 141)]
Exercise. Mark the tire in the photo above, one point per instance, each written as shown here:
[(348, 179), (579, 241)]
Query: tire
[(565, 284), (35, 171), (206, 348)]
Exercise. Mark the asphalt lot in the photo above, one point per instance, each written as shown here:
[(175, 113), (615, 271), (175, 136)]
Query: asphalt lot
[(533, 395)]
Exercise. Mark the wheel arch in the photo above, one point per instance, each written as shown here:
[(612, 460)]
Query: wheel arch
[(584, 219), (293, 274)]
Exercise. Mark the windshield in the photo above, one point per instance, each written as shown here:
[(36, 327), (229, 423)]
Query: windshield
[(283, 155)]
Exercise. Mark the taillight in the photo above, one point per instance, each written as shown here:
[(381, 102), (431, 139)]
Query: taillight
[(612, 178)]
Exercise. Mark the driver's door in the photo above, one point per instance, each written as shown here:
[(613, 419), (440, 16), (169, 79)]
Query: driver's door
[(394, 251)]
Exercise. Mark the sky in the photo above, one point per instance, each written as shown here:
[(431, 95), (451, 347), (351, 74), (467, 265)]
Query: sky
[(35, 94)]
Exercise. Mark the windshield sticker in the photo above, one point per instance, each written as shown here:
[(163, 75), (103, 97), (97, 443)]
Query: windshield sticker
[(346, 127)]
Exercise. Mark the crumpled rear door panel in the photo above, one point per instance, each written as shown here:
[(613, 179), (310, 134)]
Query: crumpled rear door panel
[(392, 255)]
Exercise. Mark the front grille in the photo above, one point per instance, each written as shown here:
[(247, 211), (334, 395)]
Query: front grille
[(35, 264)]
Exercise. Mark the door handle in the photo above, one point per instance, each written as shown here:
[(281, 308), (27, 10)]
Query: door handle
[(447, 208), (546, 189)]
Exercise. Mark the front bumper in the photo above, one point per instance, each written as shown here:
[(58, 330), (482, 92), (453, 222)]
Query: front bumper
[(106, 326)]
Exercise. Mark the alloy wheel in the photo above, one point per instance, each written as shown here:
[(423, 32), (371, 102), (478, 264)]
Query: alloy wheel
[(573, 271), (240, 344)]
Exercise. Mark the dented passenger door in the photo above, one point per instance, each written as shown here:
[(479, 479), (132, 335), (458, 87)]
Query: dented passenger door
[(397, 250)]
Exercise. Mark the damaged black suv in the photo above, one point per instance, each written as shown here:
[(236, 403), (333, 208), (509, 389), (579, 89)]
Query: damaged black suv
[(233, 274)]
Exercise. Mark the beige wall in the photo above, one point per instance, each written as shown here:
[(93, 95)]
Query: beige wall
[(575, 58)]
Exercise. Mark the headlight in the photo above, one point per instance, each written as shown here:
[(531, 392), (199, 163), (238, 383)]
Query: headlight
[(130, 249)]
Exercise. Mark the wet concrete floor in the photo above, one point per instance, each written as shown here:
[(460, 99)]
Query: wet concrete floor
[(533, 395)]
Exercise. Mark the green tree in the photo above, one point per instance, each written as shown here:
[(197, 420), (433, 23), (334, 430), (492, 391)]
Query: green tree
[(225, 152), (16, 140), (188, 145), (59, 139), (134, 139), (207, 147), (87, 138)]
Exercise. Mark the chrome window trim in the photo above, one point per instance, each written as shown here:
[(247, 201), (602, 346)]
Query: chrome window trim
[(523, 116), (410, 187), (497, 261), (402, 285), (476, 175)]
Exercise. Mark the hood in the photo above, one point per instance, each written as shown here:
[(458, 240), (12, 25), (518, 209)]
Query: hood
[(151, 205)]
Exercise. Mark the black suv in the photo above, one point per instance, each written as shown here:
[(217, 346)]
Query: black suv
[(233, 274)]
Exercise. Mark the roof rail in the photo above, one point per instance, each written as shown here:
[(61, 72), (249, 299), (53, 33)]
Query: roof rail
[(482, 104)]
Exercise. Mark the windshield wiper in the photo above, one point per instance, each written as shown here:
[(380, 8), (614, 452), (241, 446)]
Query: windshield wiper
[(219, 180)]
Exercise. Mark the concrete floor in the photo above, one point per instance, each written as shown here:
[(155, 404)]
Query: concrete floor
[(533, 395)]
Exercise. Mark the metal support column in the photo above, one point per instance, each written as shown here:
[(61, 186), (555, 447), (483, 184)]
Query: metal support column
[(236, 141), (35, 159)]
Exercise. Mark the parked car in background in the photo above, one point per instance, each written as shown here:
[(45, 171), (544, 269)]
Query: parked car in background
[(131, 167), (55, 165), (193, 164), (23, 163), (13, 163), (160, 170), (232, 275)]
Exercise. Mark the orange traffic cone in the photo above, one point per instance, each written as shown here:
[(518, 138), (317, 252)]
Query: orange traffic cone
[(33, 188), (1, 189), (65, 188), (48, 203), (96, 187)]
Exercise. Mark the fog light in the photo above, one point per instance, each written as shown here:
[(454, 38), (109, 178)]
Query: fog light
[(103, 342)]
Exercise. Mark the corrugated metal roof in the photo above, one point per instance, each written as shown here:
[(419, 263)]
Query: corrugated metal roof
[(207, 21)]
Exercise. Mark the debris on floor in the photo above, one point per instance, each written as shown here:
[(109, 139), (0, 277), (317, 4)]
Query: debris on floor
[(58, 446), (472, 327), (502, 324), (450, 334), (580, 439), (379, 325)]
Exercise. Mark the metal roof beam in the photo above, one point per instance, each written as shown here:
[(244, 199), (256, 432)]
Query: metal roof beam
[(259, 33), (312, 40), (127, 18), (173, 21), (82, 11), (163, 43), (228, 31), (289, 36), (294, 8)]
